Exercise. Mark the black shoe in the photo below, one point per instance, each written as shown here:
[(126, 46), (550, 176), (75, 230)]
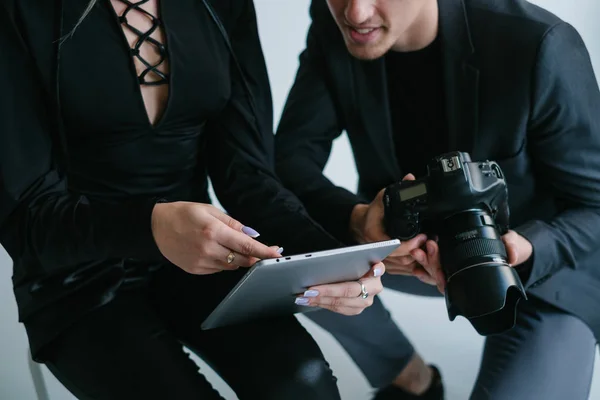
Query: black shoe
[(434, 392)]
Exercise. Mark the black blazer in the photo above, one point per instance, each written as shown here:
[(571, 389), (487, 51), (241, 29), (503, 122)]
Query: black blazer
[(519, 89), (69, 248)]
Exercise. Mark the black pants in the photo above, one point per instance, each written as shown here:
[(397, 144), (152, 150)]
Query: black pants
[(131, 348), (548, 353)]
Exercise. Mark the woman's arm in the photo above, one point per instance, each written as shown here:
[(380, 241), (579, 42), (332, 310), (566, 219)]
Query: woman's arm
[(241, 151), (42, 224), (242, 170)]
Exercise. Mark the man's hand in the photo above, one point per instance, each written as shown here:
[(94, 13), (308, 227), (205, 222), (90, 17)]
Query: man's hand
[(431, 271), (366, 221), (367, 226), (518, 248)]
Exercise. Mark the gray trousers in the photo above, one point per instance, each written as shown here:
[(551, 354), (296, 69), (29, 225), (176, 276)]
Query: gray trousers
[(548, 354)]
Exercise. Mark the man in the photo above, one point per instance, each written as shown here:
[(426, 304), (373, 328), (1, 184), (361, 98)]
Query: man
[(503, 80)]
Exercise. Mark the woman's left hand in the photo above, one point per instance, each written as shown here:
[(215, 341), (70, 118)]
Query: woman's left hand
[(345, 298)]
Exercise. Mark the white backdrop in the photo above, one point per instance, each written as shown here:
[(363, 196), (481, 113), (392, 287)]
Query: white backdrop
[(453, 346)]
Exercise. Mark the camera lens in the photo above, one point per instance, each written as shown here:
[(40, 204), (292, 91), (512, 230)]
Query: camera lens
[(481, 285)]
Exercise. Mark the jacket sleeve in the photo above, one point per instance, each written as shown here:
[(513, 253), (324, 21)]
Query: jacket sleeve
[(240, 151), (564, 144), (42, 223), (307, 129)]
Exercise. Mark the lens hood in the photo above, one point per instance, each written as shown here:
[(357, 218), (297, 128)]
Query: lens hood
[(486, 295)]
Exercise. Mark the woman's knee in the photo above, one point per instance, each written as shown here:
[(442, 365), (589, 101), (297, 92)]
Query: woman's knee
[(310, 378)]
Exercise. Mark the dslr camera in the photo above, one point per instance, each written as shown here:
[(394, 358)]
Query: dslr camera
[(465, 205)]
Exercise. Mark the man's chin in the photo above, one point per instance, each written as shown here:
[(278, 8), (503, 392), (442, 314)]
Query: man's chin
[(366, 53)]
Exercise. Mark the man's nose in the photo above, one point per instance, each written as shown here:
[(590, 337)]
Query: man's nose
[(359, 12)]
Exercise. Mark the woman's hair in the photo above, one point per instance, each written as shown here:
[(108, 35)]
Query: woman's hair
[(87, 10)]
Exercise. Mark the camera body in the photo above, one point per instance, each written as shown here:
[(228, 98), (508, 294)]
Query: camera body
[(454, 184), (464, 204)]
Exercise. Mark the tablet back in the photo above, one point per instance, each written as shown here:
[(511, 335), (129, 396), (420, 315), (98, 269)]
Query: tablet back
[(271, 286)]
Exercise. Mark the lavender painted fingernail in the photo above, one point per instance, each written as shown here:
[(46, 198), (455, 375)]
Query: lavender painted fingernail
[(250, 232), (377, 272), (311, 293), (280, 250), (301, 301)]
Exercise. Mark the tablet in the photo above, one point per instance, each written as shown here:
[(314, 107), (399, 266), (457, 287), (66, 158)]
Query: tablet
[(271, 286)]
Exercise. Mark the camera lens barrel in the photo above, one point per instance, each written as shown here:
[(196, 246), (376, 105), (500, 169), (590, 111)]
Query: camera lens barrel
[(470, 238), (481, 286)]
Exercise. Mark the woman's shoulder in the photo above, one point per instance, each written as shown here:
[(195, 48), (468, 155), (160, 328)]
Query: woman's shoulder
[(22, 15), (7, 7), (230, 11), (8, 23)]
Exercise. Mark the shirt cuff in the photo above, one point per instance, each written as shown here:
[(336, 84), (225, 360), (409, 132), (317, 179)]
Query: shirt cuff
[(524, 270), (132, 235), (536, 269), (344, 214)]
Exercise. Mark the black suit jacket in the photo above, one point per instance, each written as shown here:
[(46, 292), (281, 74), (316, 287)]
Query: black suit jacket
[(519, 89), (69, 248)]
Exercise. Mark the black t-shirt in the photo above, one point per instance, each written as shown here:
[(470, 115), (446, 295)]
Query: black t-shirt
[(417, 106)]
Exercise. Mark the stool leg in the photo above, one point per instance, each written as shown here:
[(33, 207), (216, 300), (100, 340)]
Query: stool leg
[(38, 378)]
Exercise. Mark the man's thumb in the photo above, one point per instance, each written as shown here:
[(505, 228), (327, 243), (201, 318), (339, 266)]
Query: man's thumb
[(511, 251), (409, 177)]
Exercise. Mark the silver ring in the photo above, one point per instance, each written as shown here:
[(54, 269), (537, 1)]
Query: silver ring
[(363, 290), (230, 257)]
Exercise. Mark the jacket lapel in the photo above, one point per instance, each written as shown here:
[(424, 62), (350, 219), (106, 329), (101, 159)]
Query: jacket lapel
[(461, 77), (461, 86), (38, 22)]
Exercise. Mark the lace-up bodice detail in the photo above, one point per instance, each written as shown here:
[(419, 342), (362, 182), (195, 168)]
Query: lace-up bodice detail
[(151, 75), (146, 38)]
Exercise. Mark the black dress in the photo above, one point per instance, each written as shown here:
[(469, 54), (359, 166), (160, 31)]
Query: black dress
[(76, 193)]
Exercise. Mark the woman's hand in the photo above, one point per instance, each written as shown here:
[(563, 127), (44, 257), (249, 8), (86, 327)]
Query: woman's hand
[(346, 297), (200, 239)]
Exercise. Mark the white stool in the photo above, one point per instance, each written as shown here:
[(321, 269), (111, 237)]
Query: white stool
[(38, 378)]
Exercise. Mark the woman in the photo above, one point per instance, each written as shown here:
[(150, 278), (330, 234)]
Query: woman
[(106, 138)]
